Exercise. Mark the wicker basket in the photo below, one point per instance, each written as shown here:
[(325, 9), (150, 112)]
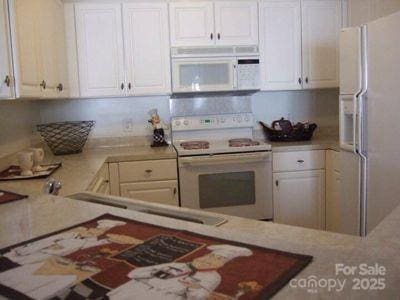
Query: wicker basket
[(66, 137)]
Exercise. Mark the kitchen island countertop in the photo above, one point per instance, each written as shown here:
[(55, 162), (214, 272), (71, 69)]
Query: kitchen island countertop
[(39, 215)]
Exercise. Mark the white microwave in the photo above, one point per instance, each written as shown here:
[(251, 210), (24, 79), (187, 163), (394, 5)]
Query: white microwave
[(205, 69)]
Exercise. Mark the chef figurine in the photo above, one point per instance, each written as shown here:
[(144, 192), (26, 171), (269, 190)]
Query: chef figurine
[(158, 129), (196, 280)]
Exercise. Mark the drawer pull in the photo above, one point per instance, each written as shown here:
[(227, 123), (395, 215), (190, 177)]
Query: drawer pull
[(300, 161), (148, 171)]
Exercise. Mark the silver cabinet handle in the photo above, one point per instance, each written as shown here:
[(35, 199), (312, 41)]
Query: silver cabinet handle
[(7, 81), (211, 36), (43, 84), (60, 87)]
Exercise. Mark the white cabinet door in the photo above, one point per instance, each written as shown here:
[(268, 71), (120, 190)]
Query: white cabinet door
[(299, 198), (6, 78), (147, 48), (321, 25), (281, 45), (28, 77), (164, 192), (48, 32), (192, 23), (100, 49), (236, 22)]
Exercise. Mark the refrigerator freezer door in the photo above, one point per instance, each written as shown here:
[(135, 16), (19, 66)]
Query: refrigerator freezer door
[(350, 61), (382, 119)]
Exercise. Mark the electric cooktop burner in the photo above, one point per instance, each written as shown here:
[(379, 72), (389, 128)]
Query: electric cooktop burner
[(195, 145), (243, 143)]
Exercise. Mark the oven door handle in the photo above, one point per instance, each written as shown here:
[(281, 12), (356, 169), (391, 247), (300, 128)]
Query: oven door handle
[(224, 159)]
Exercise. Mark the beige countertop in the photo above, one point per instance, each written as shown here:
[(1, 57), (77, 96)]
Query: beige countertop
[(78, 170), (323, 143), (42, 214)]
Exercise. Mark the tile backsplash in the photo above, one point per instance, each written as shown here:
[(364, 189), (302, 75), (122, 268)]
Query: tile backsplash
[(127, 117), (17, 120)]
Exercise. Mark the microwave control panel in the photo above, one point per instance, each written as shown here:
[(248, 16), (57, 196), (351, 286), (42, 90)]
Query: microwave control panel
[(248, 74)]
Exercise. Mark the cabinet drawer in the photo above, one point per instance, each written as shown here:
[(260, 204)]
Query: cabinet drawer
[(164, 192), (299, 161), (147, 170)]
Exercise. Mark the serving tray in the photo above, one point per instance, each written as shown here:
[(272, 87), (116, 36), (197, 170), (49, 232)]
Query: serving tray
[(6, 197), (14, 172)]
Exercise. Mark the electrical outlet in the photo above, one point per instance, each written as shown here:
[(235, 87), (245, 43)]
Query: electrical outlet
[(127, 125)]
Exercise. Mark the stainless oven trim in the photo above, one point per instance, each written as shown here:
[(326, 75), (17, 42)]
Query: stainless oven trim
[(225, 158), (260, 162)]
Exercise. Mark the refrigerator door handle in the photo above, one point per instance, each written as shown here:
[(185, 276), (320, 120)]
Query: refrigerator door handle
[(362, 97), (355, 124)]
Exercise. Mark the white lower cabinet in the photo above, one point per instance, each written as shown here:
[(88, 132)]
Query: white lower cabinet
[(101, 183), (148, 180), (164, 192), (333, 187), (299, 188)]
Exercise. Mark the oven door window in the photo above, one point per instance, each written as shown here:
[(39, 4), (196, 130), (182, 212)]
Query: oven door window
[(227, 189)]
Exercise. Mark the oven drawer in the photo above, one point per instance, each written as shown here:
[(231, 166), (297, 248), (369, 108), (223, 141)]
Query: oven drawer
[(298, 161), (148, 170)]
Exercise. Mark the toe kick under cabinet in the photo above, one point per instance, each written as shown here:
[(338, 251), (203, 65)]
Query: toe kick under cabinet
[(299, 188), (148, 180)]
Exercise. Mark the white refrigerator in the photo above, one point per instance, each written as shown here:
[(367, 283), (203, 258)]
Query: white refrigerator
[(369, 125)]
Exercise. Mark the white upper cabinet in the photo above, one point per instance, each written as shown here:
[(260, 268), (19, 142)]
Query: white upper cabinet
[(6, 78), (192, 23), (236, 22), (213, 23), (321, 22), (146, 48), (38, 35), (280, 44), (50, 53), (28, 77), (100, 49)]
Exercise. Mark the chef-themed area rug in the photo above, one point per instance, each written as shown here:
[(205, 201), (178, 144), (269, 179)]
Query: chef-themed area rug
[(116, 258)]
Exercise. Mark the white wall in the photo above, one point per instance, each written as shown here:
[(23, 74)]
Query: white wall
[(321, 106), (363, 11), (110, 114), (317, 106), (17, 119)]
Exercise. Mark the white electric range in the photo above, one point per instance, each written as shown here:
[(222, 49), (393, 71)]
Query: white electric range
[(221, 167)]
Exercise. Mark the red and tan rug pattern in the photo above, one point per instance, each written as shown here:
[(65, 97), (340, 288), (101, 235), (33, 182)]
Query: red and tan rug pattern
[(6, 197), (117, 258)]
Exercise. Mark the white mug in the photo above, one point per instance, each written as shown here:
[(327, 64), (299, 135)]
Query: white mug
[(38, 156), (25, 160)]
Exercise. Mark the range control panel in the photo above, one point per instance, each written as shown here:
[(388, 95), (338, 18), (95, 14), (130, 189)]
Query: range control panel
[(212, 122)]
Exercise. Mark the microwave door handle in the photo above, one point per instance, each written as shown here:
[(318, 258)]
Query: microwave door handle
[(235, 75)]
